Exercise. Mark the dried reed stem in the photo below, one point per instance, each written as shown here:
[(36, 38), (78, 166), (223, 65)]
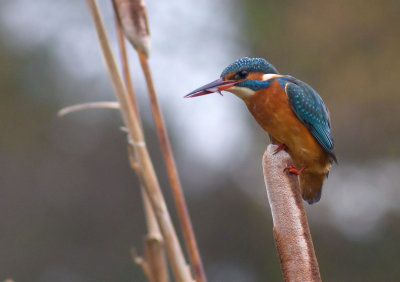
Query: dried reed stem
[(133, 18), (291, 232), (154, 246), (179, 198), (85, 106), (154, 263), (179, 267), (126, 71)]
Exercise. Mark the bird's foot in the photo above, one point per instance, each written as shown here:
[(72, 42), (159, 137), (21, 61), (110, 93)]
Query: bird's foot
[(293, 170), (280, 148)]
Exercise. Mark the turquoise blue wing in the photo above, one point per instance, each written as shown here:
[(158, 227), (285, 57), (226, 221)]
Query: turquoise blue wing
[(311, 111)]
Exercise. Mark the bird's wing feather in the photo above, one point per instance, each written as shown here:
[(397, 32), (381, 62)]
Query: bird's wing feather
[(311, 111)]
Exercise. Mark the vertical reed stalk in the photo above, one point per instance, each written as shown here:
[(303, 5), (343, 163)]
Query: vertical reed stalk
[(180, 203), (174, 251), (133, 19), (154, 246), (291, 232)]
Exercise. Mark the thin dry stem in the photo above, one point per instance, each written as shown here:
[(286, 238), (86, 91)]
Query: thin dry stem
[(125, 69), (154, 244), (179, 198), (92, 105), (291, 232), (132, 16), (143, 264), (155, 258), (155, 252), (179, 267), (153, 264)]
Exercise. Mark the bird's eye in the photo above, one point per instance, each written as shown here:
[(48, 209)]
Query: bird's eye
[(241, 75)]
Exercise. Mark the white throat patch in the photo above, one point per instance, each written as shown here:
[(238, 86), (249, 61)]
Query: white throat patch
[(241, 92)]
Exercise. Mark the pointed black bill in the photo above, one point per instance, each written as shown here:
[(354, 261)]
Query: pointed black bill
[(212, 87)]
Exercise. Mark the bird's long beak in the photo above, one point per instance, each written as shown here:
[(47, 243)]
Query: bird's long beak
[(212, 87)]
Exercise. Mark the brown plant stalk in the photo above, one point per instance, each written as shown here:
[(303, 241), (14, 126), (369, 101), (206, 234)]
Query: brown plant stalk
[(154, 263), (179, 266), (133, 18), (157, 270), (172, 171), (291, 232)]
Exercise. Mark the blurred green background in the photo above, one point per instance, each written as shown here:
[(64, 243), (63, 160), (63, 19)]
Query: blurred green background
[(70, 207)]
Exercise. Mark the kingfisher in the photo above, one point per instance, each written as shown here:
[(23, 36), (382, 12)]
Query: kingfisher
[(292, 113)]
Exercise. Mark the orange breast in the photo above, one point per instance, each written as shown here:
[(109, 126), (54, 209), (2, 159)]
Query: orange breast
[(271, 109)]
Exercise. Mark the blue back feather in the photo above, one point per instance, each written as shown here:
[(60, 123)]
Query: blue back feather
[(310, 109)]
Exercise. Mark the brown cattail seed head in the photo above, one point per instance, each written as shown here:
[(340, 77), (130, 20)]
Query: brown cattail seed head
[(133, 19)]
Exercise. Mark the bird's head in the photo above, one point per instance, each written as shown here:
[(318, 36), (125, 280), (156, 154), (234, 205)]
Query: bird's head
[(242, 78)]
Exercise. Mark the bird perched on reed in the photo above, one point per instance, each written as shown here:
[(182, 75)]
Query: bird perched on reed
[(292, 113)]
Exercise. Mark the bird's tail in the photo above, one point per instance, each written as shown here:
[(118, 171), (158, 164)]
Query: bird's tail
[(311, 186)]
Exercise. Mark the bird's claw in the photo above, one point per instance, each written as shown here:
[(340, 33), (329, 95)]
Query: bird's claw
[(293, 170), (280, 148)]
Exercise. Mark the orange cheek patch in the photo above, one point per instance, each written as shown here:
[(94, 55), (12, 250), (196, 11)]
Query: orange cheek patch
[(255, 76)]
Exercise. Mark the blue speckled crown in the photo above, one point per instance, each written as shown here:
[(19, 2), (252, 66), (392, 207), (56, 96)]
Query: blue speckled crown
[(250, 65)]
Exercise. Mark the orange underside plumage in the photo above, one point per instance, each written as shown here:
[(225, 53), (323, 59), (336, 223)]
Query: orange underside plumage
[(270, 107)]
